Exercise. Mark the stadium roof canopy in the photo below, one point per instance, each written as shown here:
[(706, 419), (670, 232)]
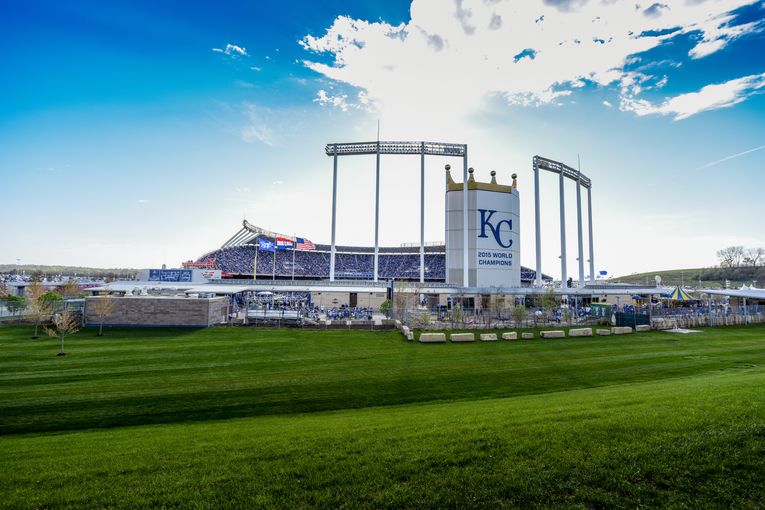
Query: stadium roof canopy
[(249, 234)]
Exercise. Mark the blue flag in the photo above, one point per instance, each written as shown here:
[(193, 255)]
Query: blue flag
[(265, 245)]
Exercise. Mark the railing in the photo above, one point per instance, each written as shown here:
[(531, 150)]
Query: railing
[(401, 147), (11, 310), (300, 283)]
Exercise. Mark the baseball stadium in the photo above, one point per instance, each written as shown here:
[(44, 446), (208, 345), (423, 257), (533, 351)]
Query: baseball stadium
[(304, 260)]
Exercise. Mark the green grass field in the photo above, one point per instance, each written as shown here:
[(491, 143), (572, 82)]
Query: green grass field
[(232, 418)]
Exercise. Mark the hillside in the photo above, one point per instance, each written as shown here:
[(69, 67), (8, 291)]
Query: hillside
[(705, 277), (52, 270)]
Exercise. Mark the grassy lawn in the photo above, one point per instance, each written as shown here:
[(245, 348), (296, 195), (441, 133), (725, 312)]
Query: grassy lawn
[(248, 417)]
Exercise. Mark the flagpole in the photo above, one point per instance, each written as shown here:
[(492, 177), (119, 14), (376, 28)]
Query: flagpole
[(293, 259), (273, 268), (255, 265)]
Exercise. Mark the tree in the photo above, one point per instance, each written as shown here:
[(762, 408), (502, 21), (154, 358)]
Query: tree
[(102, 306), (732, 256), (15, 304), (458, 313), (495, 308), (546, 301), (518, 314), (385, 307), (40, 303), (70, 289), (755, 255), (3, 290), (64, 323)]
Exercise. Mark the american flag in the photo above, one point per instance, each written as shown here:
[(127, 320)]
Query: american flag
[(304, 244)]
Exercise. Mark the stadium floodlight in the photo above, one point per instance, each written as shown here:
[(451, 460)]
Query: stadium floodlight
[(564, 171), (420, 148)]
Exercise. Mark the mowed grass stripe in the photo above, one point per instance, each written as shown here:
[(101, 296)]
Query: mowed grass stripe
[(219, 373), (691, 442)]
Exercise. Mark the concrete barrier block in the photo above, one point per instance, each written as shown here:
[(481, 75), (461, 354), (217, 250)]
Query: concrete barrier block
[(511, 335), (405, 330), (580, 332), (378, 322), (488, 337), (462, 337), (410, 336), (432, 338), (603, 332), (553, 334), (621, 330), (643, 327), (527, 336)]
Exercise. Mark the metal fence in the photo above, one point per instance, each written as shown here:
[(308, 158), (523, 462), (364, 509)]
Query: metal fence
[(659, 318), (481, 318), (13, 310)]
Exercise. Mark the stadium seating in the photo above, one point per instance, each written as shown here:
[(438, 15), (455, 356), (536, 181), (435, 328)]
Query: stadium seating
[(351, 262)]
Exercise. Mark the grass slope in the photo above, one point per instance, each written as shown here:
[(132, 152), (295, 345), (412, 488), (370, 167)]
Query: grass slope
[(141, 376), (644, 420), (703, 276)]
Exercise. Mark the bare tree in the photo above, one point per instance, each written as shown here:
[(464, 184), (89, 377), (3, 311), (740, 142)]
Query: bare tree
[(518, 313), (40, 303), (732, 256), (3, 290), (102, 306), (64, 323), (70, 289), (547, 302), (755, 255)]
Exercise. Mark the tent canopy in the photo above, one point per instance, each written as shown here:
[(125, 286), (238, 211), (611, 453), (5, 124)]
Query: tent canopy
[(680, 295)]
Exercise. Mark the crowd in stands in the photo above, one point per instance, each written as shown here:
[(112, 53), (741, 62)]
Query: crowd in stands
[(239, 260), (354, 263)]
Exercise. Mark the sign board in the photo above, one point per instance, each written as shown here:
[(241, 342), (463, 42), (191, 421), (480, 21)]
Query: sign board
[(497, 239), (493, 236), (170, 275)]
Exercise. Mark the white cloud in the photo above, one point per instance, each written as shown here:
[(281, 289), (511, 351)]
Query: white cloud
[(718, 32), (258, 128), (339, 101), (608, 104), (450, 58), (232, 50), (710, 97)]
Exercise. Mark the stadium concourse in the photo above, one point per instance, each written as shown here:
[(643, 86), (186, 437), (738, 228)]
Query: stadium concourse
[(237, 256)]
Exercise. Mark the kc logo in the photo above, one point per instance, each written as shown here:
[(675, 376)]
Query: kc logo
[(495, 228)]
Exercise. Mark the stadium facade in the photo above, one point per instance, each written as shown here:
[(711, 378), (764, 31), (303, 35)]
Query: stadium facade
[(237, 257), (479, 258)]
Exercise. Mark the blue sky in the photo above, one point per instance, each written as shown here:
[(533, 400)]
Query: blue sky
[(141, 133)]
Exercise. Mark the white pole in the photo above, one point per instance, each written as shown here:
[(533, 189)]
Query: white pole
[(538, 228), (334, 217), (293, 261), (589, 221), (579, 229), (377, 210), (273, 268), (422, 212), (465, 282), (563, 275)]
